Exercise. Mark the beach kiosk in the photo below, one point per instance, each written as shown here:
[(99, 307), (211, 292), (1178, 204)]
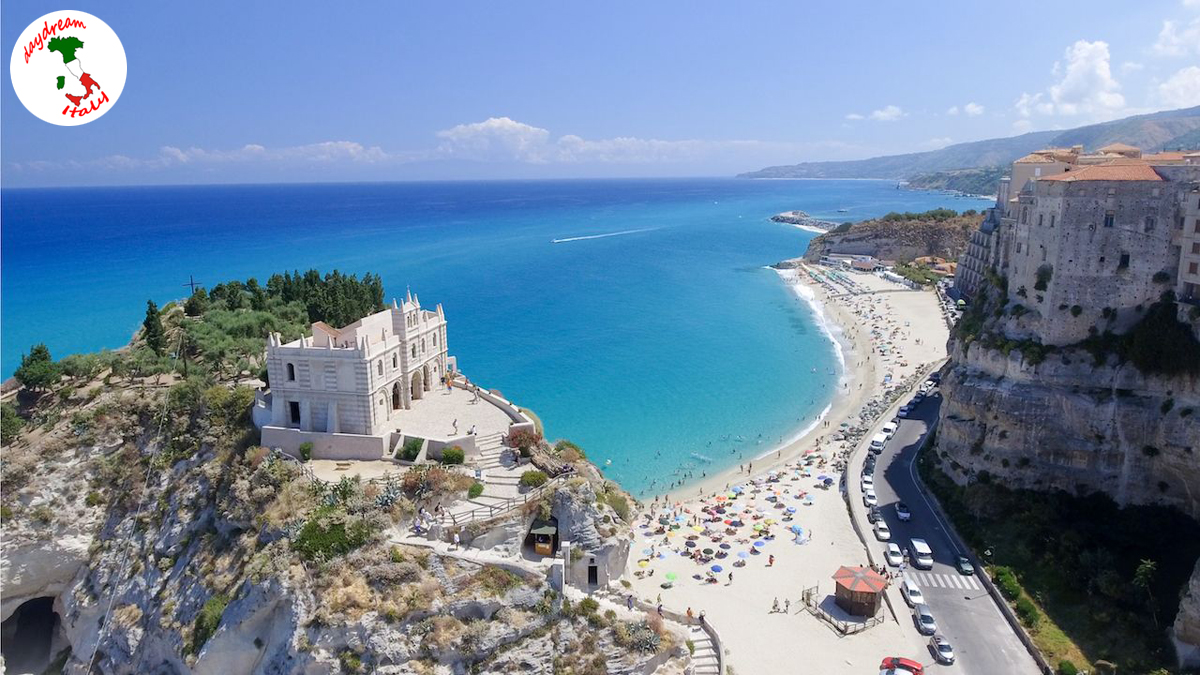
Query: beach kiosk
[(859, 590), (543, 535)]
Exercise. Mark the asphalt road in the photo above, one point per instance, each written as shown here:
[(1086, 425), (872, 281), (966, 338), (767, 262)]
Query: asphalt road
[(983, 642)]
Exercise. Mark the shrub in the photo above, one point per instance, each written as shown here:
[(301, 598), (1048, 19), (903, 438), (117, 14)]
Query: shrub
[(94, 498), (453, 455), (37, 370), (569, 452), (10, 424), (1076, 310), (533, 478), (524, 439), (475, 490), (1043, 277), (589, 605), (1028, 612), (496, 580), (1161, 277), (329, 533), (1160, 343), (410, 449), (207, 620), (350, 662), (306, 449), (1065, 667), (1006, 581)]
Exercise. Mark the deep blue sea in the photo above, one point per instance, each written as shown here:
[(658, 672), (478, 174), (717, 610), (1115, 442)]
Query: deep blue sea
[(646, 348)]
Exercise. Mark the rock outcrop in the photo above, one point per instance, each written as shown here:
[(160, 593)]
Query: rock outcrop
[(897, 239), (1186, 631)]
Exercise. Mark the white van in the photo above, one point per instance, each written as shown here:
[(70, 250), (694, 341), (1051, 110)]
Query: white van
[(889, 430), (920, 554), (877, 442)]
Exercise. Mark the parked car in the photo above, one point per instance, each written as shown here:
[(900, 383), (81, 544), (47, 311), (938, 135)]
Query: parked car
[(929, 384), (898, 665), (917, 398), (882, 531), (905, 411), (893, 555), (912, 594), (902, 512), (868, 482), (942, 651), (923, 618), (935, 377), (873, 514), (963, 563), (889, 429), (869, 498)]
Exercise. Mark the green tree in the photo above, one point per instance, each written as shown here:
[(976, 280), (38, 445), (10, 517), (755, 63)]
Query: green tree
[(197, 304), (10, 423), (152, 329), (37, 369), (1143, 577)]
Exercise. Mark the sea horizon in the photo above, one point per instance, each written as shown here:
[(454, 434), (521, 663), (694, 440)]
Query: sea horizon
[(698, 356)]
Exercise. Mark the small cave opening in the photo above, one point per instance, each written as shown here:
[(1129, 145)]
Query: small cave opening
[(30, 638)]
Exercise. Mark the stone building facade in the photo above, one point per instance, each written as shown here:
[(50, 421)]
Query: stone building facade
[(352, 380)]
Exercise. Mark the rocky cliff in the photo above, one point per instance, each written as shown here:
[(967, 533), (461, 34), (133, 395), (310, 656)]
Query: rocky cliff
[(144, 532), (900, 238), (1081, 418)]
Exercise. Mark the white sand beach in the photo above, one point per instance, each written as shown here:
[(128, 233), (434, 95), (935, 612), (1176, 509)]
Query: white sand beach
[(885, 332)]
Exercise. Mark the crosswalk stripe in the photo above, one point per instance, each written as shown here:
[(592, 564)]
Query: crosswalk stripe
[(958, 581), (932, 580)]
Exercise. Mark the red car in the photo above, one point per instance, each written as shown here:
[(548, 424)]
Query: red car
[(897, 665)]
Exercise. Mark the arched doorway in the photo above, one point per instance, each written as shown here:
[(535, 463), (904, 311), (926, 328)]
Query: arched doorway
[(417, 385), (396, 403), (425, 376)]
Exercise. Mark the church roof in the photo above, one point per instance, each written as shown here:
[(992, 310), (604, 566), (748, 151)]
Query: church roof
[(1112, 171), (1119, 148)]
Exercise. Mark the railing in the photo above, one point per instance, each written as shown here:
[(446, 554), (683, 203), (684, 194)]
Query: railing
[(490, 511), (844, 628), (677, 617)]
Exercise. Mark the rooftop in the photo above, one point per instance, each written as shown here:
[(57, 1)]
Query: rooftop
[(1113, 171)]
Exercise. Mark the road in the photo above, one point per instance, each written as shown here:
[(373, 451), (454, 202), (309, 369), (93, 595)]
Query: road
[(984, 643)]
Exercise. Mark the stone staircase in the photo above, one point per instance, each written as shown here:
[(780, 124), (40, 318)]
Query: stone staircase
[(704, 659)]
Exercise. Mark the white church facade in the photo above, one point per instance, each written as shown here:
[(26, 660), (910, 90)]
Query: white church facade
[(352, 381)]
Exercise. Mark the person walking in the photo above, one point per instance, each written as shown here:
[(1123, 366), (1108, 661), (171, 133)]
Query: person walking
[(731, 578), (629, 602), (660, 612), (787, 606), (690, 615), (771, 560)]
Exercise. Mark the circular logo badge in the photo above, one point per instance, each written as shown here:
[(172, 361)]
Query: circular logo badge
[(68, 68)]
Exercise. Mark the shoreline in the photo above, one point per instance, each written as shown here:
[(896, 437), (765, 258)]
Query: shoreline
[(841, 328)]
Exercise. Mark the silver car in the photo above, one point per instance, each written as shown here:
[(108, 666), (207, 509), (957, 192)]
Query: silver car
[(942, 651), (923, 618)]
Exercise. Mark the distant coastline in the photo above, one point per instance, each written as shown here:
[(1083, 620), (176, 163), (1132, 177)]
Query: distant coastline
[(804, 221)]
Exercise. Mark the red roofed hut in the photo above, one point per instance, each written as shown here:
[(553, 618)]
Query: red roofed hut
[(859, 590)]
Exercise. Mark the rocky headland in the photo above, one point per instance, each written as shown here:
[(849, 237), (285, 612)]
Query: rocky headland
[(900, 236)]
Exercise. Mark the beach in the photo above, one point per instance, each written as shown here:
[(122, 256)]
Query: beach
[(788, 505)]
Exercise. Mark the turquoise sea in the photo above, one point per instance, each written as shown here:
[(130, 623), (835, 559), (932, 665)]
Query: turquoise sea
[(666, 349)]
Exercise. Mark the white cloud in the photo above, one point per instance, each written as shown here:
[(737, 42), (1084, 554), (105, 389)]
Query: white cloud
[(1195, 4), (937, 143), (1022, 126), (887, 114), (1182, 89), (854, 116), (1132, 66), (952, 110), (1177, 40), (1085, 86), (973, 109)]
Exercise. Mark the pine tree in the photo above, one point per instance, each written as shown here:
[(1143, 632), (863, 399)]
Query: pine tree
[(152, 329)]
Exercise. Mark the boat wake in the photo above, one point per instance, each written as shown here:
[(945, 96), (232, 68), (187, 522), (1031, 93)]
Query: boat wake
[(601, 236)]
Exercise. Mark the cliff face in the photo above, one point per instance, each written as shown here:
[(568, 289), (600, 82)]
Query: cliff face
[(203, 553), (897, 239), (1068, 424)]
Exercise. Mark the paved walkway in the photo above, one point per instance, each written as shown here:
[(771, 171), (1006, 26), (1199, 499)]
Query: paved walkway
[(435, 415)]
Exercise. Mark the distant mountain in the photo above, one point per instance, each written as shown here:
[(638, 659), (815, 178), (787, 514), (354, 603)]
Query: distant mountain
[(978, 181), (1170, 129)]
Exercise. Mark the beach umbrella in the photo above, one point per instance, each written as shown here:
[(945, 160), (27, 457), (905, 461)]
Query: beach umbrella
[(671, 576), (708, 551), (737, 489), (743, 554), (725, 546), (822, 477), (689, 544), (759, 544), (797, 529), (829, 481), (643, 563), (720, 509), (647, 551), (716, 568)]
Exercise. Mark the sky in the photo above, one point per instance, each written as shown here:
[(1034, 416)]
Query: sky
[(224, 92)]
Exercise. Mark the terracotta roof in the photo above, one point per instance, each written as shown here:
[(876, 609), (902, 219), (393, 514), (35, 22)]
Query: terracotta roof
[(1165, 157), (1119, 147), (860, 579), (1034, 158), (327, 328), (1112, 171)]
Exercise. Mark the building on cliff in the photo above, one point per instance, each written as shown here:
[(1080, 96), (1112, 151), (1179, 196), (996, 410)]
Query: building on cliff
[(350, 382), (1102, 232)]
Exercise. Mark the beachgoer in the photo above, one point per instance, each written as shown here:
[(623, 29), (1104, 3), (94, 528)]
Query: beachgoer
[(660, 612), (787, 606), (770, 561), (775, 606), (629, 602), (731, 578), (690, 615), (701, 617), (456, 541)]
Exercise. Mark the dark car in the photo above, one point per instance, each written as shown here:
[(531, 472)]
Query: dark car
[(869, 470), (902, 511), (936, 377), (964, 565), (873, 514)]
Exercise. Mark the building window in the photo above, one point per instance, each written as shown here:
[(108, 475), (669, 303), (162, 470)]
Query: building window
[(1024, 216), (1196, 226), (380, 366), (1018, 247), (294, 412), (1192, 268), (1124, 261), (1196, 247), (414, 351), (1109, 217), (395, 361), (1101, 260), (1052, 216), (1150, 224), (291, 370)]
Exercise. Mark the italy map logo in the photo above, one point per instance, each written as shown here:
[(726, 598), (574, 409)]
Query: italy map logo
[(68, 68)]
